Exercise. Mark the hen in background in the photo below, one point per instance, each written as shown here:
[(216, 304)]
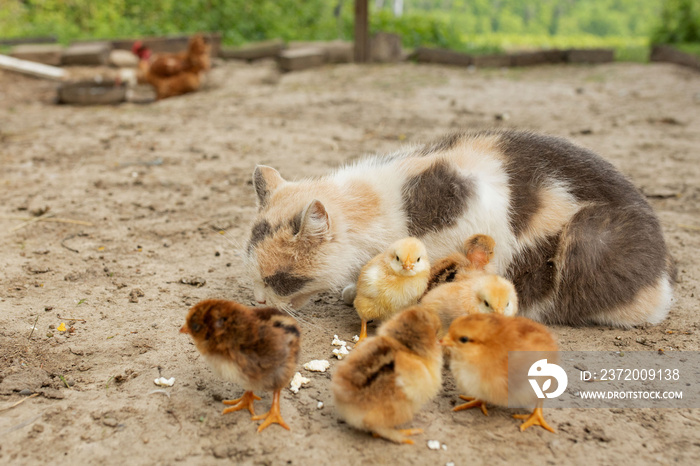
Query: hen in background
[(173, 74)]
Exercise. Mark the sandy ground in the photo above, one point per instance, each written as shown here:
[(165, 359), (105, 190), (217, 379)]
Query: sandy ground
[(158, 182)]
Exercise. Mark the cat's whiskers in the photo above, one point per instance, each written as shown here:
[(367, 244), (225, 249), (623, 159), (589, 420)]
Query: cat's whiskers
[(296, 315)]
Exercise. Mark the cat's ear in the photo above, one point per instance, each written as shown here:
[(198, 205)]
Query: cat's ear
[(315, 223), (266, 180)]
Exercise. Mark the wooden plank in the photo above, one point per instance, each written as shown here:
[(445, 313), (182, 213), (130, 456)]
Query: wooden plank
[(48, 54), (29, 40), (590, 55), (94, 53), (256, 51), (442, 56), (33, 69), (300, 59), (668, 54), (492, 61), (361, 31)]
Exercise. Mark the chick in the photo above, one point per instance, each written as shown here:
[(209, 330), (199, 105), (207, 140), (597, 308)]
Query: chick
[(478, 252), (392, 281), (384, 381), (258, 348), (479, 346), (475, 292)]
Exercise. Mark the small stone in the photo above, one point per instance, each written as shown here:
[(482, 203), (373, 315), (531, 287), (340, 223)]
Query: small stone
[(38, 428), (26, 392), (110, 422), (220, 451)]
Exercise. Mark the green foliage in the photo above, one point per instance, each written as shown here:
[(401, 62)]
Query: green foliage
[(474, 26), (680, 22)]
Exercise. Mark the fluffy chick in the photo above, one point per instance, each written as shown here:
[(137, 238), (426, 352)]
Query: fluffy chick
[(479, 346), (475, 292), (384, 381), (477, 254), (392, 281), (257, 348)]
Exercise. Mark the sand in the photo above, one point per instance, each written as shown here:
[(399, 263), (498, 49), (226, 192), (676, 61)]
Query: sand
[(159, 182)]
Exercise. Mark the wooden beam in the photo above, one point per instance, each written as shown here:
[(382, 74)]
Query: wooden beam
[(29, 67), (361, 31)]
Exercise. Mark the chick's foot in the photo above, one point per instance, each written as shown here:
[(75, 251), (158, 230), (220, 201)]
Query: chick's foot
[(396, 435), (274, 416), (244, 402), (534, 419), (363, 331), (473, 403)]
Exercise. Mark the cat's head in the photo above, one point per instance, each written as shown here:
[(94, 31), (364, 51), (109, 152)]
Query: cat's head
[(290, 250)]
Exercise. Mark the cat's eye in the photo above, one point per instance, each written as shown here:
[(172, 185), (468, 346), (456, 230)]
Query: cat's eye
[(464, 339)]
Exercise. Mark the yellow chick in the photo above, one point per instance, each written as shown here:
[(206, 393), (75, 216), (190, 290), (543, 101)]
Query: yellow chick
[(479, 346), (475, 292), (392, 281), (384, 381)]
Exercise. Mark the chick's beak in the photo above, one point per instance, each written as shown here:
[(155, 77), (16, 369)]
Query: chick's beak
[(184, 329), (407, 265), (446, 341)]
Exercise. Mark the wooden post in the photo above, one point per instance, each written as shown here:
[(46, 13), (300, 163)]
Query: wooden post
[(361, 31)]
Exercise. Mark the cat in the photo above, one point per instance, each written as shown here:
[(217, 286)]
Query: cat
[(578, 240)]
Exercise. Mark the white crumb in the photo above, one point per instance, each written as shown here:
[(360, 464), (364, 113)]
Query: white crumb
[(340, 352), (163, 382), (320, 405), (444, 447), (317, 365), (434, 444), (450, 464), (297, 381), (337, 342), (355, 339)]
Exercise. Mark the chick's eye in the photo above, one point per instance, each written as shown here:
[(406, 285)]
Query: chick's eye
[(486, 303), (464, 339), (195, 327), (397, 258), (418, 260)]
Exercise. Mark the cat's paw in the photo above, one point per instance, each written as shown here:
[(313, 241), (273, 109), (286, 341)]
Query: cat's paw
[(349, 293)]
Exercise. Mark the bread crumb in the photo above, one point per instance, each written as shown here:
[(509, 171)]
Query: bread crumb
[(317, 365), (338, 342), (434, 444), (297, 381), (163, 382), (340, 352), (320, 405)]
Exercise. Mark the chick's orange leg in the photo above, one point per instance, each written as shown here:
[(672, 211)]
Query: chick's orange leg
[(473, 403), (274, 416), (534, 419), (396, 435), (363, 331), (244, 402)]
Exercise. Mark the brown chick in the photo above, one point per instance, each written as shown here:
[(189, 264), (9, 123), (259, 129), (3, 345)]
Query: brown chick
[(257, 348), (384, 381), (392, 281), (475, 292), (479, 345), (478, 252)]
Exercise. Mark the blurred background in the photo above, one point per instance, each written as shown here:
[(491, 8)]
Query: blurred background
[(475, 26)]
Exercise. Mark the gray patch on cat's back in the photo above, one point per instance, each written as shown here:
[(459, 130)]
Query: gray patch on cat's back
[(284, 283), (260, 231), (435, 199)]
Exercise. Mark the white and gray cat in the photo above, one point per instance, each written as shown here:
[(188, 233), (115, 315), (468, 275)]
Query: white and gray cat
[(579, 241)]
